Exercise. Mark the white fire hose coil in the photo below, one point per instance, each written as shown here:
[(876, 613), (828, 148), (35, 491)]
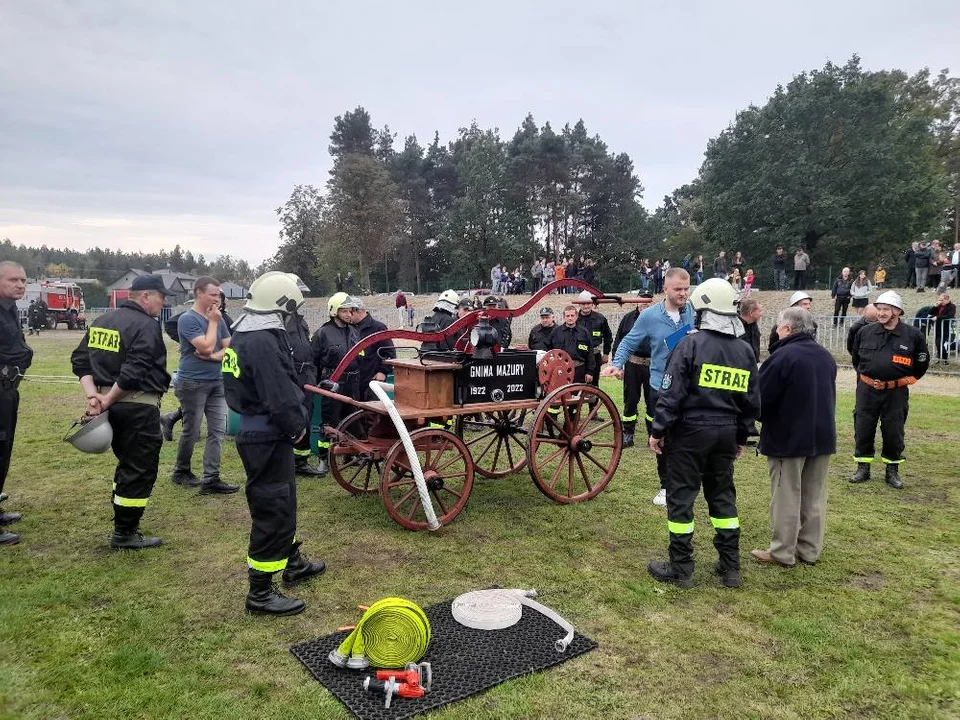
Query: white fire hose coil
[(499, 609)]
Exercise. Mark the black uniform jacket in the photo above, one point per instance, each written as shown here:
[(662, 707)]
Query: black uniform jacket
[(854, 329), (372, 360), (259, 379), (751, 336), (540, 337), (438, 322), (298, 335), (504, 328), (626, 325), (711, 379), (124, 346), (330, 344), (598, 328), (798, 400), (576, 343), (883, 354), (14, 350)]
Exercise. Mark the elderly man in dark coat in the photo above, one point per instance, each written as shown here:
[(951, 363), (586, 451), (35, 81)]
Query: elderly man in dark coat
[(798, 399)]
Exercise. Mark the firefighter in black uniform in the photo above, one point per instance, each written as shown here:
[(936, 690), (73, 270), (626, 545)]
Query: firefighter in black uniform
[(122, 366), (330, 343), (36, 316), (596, 325), (263, 387), (888, 356), (573, 339), (636, 376), (540, 334), (503, 326), (298, 335), (372, 361), (706, 409), (15, 358), (443, 316)]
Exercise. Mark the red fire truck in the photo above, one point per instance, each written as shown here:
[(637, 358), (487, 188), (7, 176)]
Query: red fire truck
[(64, 303)]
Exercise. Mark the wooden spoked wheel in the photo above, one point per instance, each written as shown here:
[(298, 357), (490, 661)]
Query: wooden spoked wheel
[(356, 470), (496, 440), (447, 471), (571, 454)]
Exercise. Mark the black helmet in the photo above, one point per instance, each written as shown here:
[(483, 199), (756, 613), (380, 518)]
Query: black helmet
[(491, 301), (545, 311)]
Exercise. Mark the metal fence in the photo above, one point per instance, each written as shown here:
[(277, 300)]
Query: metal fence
[(831, 331)]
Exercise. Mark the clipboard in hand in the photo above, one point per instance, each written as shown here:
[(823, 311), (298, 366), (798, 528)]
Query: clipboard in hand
[(676, 336)]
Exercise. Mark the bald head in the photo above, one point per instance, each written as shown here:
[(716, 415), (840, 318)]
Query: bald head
[(13, 281), (870, 313)]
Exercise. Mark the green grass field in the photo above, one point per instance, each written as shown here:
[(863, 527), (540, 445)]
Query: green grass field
[(872, 631)]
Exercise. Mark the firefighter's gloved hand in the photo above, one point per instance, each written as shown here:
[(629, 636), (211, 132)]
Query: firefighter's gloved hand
[(330, 385)]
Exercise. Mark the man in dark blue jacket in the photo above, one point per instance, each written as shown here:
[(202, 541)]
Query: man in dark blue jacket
[(798, 400)]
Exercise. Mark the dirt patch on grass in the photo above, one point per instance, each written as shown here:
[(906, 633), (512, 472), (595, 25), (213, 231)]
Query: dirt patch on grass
[(870, 581), (375, 555), (927, 497)]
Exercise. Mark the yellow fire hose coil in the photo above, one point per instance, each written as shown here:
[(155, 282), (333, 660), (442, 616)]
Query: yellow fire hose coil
[(392, 633)]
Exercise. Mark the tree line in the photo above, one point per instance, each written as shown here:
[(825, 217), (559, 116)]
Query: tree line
[(852, 165), (105, 265), (445, 213)]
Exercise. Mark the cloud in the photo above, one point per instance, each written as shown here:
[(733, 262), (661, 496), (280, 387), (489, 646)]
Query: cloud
[(195, 120)]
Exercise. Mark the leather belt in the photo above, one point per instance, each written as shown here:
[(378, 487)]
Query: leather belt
[(141, 396), (634, 360), (887, 384)]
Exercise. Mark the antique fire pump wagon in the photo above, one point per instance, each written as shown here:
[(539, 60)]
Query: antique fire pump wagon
[(480, 411)]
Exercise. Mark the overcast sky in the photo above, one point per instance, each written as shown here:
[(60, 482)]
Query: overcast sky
[(138, 125)]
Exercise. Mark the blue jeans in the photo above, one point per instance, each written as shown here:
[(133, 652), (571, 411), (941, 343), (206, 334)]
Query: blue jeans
[(198, 398)]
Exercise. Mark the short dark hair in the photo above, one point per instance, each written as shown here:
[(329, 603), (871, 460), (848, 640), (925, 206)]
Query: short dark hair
[(203, 282)]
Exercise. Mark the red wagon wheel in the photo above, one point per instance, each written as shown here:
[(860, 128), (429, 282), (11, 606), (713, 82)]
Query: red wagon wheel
[(447, 469), (497, 440), (571, 454), (357, 471)]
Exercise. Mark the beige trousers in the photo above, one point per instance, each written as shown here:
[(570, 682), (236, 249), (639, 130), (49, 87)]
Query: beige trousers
[(798, 507)]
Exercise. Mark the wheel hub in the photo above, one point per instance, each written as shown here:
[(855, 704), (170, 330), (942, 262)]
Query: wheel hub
[(581, 445), (433, 481)]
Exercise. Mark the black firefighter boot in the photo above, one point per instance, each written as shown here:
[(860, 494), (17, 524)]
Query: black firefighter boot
[(126, 539), (893, 476), (126, 533), (265, 599), (862, 474), (299, 569), (667, 572), (304, 468)]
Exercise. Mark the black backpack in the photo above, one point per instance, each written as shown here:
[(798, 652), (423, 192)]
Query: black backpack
[(170, 326)]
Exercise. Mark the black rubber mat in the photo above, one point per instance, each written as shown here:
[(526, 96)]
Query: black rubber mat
[(465, 662)]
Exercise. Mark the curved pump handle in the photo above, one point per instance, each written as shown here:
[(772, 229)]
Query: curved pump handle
[(458, 326)]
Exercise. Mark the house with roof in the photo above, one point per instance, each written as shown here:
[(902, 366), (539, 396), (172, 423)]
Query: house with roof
[(232, 291), (180, 284)]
